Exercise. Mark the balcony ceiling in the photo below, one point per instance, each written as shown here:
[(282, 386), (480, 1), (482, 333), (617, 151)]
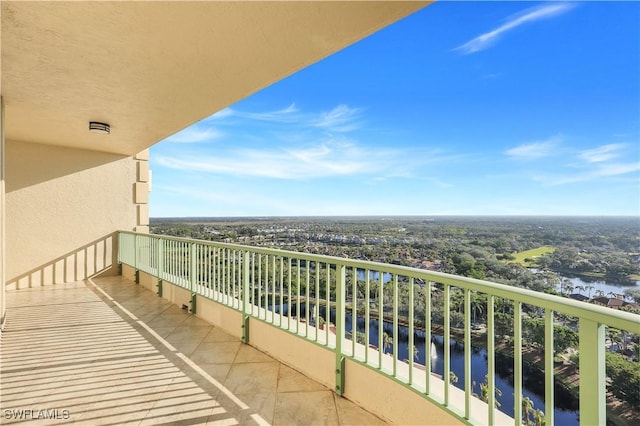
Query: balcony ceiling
[(150, 69)]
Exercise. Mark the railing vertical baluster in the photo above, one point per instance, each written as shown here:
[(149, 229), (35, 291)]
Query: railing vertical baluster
[(517, 363), (380, 319), (427, 338), (266, 287), (281, 289), (354, 310), (121, 247), (327, 309), (135, 258), (548, 366), (230, 277), (367, 314), (411, 330), (160, 265), (217, 273), (593, 391), (317, 298), (245, 300), (223, 275), (289, 273), (167, 259), (199, 267), (206, 268), (260, 287), (210, 266), (447, 341), (340, 324), (298, 296), (307, 297), (467, 354), (491, 360), (395, 324), (193, 274), (235, 271), (273, 289)]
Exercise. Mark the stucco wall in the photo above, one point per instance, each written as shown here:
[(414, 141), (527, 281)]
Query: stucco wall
[(2, 210), (63, 206)]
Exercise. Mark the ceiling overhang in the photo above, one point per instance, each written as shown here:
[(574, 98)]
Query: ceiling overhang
[(151, 68)]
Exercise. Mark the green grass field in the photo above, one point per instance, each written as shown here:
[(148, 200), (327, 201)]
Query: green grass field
[(532, 255)]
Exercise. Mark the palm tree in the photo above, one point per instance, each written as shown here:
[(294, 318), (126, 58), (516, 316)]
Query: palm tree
[(452, 377), (580, 288), (484, 391), (478, 302), (457, 300), (538, 417), (589, 288), (527, 407), (386, 342), (616, 338)]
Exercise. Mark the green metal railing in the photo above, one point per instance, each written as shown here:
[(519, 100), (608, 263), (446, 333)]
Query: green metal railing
[(322, 299)]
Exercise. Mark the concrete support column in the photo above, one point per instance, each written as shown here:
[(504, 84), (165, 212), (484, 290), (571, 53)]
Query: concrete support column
[(142, 187)]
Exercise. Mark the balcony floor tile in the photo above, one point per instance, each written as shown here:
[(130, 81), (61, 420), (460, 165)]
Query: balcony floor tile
[(113, 353)]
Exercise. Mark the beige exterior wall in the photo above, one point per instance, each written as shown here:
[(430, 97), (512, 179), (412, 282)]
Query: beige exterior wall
[(390, 400), (63, 206), (2, 210)]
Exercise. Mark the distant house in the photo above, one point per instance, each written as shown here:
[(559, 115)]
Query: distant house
[(578, 296), (615, 303)]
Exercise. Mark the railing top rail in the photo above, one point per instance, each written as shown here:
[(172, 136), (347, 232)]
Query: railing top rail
[(601, 314)]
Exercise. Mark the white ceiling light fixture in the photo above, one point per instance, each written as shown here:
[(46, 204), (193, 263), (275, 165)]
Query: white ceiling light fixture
[(97, 127)]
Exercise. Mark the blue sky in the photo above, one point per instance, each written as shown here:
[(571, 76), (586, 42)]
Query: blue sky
[(464, 108)]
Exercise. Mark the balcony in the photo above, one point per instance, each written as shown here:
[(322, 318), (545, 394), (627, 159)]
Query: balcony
[(328, 309), (108, 349), (105, 351)]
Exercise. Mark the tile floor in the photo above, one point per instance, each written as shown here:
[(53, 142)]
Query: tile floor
[(108, 352)]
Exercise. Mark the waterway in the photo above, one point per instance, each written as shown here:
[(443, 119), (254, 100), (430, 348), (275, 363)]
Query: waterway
[(605, 286), (565, 405)]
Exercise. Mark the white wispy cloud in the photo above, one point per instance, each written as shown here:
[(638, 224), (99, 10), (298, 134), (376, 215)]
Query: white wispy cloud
[(340, 119), (318, 161), (195, 135), (488, 39), (329, 158), (602, 153), (535, 150), (599, 171), (288, 114)]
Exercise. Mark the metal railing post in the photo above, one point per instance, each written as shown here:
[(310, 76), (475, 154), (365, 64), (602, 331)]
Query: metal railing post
[(549, 382), (160, 263), (135, 258), (340, 325), (246, 306), (192, 276), (593, 391)]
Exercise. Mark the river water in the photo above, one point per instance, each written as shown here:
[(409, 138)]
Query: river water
[(565, 406), (605, 287), (565, 410)]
